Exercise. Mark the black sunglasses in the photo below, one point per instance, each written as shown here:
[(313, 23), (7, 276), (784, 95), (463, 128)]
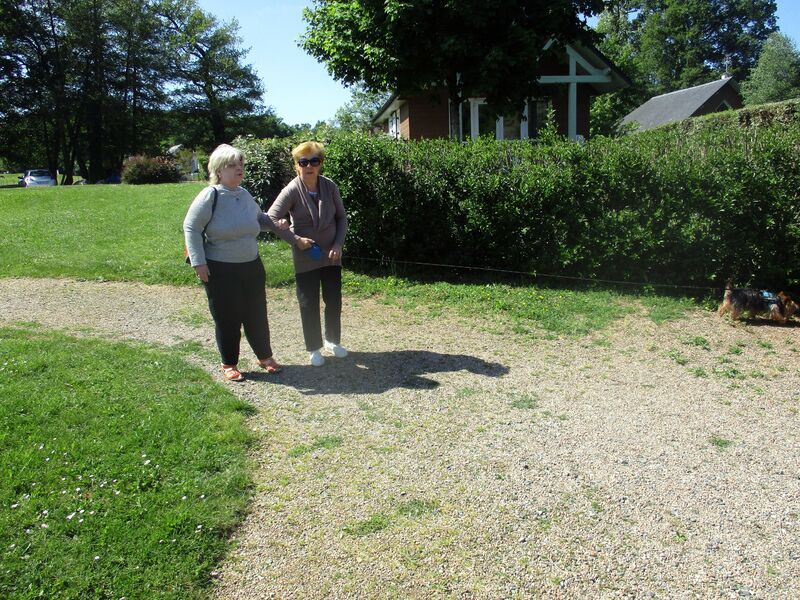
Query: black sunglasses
[(314, 162)]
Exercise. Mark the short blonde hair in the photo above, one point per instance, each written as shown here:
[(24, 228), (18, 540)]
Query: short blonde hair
[(222, 156), (312, 148)]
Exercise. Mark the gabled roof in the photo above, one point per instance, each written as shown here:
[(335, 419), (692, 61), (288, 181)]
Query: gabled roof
[(676, 106), (598, 71)]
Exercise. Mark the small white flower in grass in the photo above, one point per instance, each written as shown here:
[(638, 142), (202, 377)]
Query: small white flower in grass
[(199, 527), (202, 496), (45, 512), (14, 505), (63, 492), (144, 455), (41, 446), (91, 512), (12, 546), (116, 492), (47, 459), (70, 516), (80, 520), (77, 489), (97, 558), (184, 498), (45, 526), (147, 462), (173, 540)]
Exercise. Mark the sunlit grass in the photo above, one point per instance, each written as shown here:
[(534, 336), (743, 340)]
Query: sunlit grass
[(123, 469)]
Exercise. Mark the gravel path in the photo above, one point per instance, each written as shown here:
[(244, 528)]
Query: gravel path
[(441, 460)]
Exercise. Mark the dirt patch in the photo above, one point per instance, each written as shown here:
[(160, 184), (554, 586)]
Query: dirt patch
[(442, 460)]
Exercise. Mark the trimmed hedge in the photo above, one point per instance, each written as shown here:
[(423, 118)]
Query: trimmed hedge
[(688, 204)]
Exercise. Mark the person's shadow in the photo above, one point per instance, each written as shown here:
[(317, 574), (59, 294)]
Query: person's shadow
[(377, 372)]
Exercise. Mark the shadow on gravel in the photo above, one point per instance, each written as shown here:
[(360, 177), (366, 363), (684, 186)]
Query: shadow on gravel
[(377, 372)]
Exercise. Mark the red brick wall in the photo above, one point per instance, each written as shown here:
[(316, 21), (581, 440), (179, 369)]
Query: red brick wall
[(429, 116), (405, 127)]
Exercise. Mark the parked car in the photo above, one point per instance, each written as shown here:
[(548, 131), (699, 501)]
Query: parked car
[(36, 178)]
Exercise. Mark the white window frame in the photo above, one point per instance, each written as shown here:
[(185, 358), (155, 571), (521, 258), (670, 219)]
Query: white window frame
[(394, 124)]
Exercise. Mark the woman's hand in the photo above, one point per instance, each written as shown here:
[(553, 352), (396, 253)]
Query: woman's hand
[(202, 272), (283, 224), (304, 243), (335, 253)]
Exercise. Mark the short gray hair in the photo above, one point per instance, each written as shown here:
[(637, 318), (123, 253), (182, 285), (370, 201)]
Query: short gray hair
[(222, 156)]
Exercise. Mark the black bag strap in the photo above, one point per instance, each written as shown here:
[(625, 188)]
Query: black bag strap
[(213, 208)]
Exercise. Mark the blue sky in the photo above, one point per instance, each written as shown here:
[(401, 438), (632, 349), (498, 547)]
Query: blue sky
[(300, 89)]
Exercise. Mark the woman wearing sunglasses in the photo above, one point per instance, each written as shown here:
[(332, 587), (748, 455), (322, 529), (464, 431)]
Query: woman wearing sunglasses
[(318, 227)]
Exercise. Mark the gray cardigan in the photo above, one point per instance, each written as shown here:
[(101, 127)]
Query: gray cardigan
[(327, 228), (232, 232)]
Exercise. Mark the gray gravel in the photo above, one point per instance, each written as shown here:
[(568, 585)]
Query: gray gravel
[(441, 460)]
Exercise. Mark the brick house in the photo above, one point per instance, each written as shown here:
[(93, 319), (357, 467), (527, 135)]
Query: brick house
[(570, 75), (716, 96)]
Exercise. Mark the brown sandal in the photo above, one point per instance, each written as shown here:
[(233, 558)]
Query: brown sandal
[(270, 365), (231, 373)]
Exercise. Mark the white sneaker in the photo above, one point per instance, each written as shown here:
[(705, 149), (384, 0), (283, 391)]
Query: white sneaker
[(338, 351), (317, 359)]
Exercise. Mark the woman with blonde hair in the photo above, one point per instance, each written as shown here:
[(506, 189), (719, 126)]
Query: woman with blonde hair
[(221, 230), (318, 226)]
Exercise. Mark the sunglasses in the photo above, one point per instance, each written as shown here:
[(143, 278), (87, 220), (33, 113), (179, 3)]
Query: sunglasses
[(314, 162)]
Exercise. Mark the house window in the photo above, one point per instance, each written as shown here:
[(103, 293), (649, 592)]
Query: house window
[(476, 119), (394, 124)]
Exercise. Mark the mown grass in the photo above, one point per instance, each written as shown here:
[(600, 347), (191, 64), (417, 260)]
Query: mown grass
[(123, 469), (109, 232), (134, 233)]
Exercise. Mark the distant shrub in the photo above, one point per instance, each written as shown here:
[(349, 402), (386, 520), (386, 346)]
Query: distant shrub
[(150, 169)]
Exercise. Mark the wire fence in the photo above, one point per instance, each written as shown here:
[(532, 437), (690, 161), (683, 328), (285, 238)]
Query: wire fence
[(535, 275)]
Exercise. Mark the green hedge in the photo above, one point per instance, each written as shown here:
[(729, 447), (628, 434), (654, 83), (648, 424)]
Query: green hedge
[(689, 204)]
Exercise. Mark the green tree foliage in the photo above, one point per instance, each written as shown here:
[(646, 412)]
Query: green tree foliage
[(206, 62), (776, 76), (84, 82), (488, 48), (358, 113), (619, 40), (666, 45), (689, 42)]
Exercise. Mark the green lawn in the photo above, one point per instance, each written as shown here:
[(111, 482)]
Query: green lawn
[(114, 232), (123, 469)]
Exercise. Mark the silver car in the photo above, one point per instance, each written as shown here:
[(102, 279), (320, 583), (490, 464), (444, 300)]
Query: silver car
[(36, 178)]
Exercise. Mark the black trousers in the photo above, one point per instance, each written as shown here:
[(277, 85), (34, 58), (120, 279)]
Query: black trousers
[(237, 297), (308, 286)]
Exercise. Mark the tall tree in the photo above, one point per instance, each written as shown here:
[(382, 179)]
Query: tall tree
[(688, 42), (776, 76), (490, 48), (213, 82)]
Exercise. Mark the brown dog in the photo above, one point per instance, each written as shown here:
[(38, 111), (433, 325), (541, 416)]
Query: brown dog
[(777, 307)]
